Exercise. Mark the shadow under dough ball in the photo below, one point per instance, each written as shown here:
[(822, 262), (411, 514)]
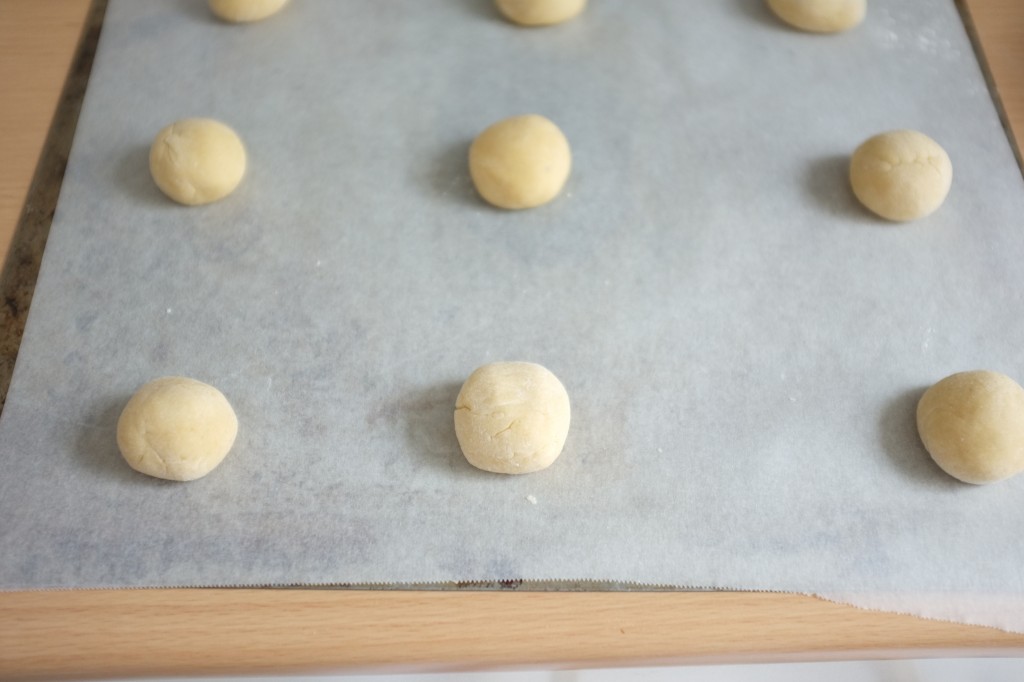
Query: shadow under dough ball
[(901, 175), (197, 161), (820, 16), (176, 428), (520, 162), (512, 417), (540, 12), (972, 424)]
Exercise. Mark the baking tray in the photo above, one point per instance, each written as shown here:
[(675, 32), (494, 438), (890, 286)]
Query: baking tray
[(716, 266)]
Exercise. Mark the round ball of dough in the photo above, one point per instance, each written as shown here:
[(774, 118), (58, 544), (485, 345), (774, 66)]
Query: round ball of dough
[(972, 424), (521, 162), (901, 175), (245, 10), (176, 428), (540, 12), (197, 161), (512, 417), (820, 16)]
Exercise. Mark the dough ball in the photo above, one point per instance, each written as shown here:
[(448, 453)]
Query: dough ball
[(540, 12), (512, 417), (820, 16), (245, 10), (176, 428), (197, 161), (901, 175), (520, 162), (972, 424)]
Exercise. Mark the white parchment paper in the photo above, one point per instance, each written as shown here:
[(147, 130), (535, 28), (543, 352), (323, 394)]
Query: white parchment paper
[(743, 344)]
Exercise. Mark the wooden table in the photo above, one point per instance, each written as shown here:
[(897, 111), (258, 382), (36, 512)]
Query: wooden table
[(162, 632)]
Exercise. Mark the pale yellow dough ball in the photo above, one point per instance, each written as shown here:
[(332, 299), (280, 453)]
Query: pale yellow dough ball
[(901, 175), (972, 424), (540, 12), (245, 10), (197, 161), (820, 16), (176, 428), (520, 162), (512, 417)]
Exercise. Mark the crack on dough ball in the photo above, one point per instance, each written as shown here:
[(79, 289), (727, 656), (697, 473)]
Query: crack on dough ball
[(901, 175), (197, 161), (820, 16), (540, 12), (176, 428), (512, 417), (520, 162), (239, 11), (972, 424)]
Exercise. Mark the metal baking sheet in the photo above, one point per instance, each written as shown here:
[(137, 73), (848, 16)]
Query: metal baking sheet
[(742, 343)]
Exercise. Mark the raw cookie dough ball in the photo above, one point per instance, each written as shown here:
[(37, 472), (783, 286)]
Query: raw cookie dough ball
[(512, 417), (820, 16), (540, 12), (197, 161), (901, 175), (972, 424), (176, 428), (520, 162), (245, 10)]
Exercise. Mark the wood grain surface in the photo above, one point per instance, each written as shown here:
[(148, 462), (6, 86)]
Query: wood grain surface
[(83, 634), (999, 29), (163, 632), (37, 42)]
